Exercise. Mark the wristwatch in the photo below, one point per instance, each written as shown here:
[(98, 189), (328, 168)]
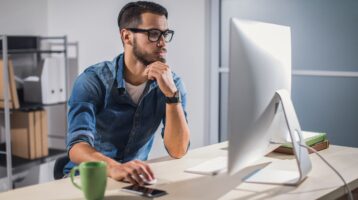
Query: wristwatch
[(174, 99)]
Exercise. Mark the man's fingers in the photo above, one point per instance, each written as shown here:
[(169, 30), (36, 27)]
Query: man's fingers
[(158, 65), (146, 71), (130, 179), (151, 76), (145, 170), (136, 176), (148, 172), (154, 74), (135, 172)]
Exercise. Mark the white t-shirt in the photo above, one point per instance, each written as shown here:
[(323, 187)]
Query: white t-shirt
[(135, 91)]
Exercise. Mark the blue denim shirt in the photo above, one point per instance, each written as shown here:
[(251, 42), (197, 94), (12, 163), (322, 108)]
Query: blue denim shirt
[(101, 113)]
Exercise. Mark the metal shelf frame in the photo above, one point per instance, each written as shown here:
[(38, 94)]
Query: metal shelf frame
[(5, 52), (7, 112)]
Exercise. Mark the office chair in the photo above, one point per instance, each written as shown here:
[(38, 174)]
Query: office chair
[(59, 165)]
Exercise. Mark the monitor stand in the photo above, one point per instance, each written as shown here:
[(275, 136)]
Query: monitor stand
[(285, 177)]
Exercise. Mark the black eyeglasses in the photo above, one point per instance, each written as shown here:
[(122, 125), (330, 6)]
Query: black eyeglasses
[(154, 35)]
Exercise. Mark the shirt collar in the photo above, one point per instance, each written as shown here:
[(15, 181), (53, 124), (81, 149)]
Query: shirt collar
[(120, 66), (119, 63)]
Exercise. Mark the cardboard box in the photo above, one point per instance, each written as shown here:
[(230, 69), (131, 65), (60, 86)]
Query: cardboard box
[(44, 133), (13, 98), (29, 134), (38, 134), (22, 134)]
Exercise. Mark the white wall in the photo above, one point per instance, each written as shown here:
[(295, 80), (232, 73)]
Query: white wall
[(91, 23), (23, 17), (94, 25), (18, 18)]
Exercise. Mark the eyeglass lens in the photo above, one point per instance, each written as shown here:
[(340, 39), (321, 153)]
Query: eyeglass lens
[(154, 35)]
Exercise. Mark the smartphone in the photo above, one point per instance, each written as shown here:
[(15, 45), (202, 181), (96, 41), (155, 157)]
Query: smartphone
[(144, 191)]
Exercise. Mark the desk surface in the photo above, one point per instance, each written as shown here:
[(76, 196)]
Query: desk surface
[(322, 182)]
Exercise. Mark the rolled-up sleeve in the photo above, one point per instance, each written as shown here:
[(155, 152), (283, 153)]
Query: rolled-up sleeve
[(183, 93), (86, 98)]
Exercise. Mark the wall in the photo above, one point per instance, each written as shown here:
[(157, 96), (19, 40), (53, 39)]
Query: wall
[(23, 17), (18, 18), (324, 37), (94, 25)]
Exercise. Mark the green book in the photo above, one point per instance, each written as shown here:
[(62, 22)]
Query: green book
[(318, 147), (311, 138)]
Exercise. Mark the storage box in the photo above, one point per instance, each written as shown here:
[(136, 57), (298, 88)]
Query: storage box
[(13, 98), (49, 85), (29, 134)]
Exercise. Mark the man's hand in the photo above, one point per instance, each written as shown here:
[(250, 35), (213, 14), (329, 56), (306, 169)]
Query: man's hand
[(163, 75), (131, 171)]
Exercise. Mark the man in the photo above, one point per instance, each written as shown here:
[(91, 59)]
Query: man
[(116, 107)]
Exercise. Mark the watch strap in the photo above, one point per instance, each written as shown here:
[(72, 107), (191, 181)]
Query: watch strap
[(174, 99)]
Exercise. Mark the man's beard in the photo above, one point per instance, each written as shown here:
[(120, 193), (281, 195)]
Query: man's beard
[(144, 57)]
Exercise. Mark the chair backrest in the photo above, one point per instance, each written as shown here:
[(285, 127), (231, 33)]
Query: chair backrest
[(59, 165)]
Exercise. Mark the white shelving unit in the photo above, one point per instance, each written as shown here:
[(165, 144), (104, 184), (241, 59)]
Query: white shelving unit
[(38, 52)]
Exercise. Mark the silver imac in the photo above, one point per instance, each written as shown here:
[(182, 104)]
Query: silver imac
[(259, 90)]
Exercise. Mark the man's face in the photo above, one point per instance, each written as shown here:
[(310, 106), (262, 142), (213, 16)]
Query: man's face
[(143, 49)]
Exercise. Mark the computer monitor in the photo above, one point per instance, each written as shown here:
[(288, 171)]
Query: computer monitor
[(260, 108)]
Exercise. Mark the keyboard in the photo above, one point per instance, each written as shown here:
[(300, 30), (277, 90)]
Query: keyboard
[(209, 167)]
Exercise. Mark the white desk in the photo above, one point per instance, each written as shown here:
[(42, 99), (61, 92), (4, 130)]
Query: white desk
[(322, 182)]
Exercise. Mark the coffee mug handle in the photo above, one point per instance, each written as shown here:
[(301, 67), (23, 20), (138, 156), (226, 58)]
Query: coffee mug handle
[(73, 172)]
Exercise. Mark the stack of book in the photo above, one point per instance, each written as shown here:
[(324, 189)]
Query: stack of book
[(317, 141)]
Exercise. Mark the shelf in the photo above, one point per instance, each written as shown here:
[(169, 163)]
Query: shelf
[(21, 164), (32, 106), (30, 51), (31, 45), (36, 106)]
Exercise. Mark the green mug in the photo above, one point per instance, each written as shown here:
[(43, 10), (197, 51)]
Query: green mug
[(93, 177)]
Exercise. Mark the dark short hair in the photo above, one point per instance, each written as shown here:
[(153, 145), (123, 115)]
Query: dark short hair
[(130, 15)]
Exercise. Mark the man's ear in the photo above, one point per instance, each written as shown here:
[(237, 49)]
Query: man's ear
[(126, 36)]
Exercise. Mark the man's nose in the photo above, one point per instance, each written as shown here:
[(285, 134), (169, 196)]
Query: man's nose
[(161, 41)]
